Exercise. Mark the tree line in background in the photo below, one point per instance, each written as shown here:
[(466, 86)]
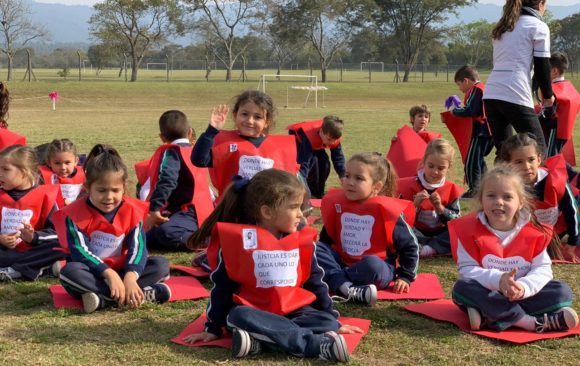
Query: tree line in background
[(227, 32)]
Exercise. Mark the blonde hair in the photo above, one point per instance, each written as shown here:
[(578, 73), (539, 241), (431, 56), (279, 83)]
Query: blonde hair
[(381, 171), (440, 147), (24, 159)]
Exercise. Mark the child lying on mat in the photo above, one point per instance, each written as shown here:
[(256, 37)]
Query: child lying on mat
[(504, 268)]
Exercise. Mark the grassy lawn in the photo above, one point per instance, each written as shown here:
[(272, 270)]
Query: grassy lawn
[(125, 115)]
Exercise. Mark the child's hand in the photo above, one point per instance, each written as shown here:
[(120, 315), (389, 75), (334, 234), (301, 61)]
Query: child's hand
[(155, 219), (133, 294), (401, 286), (435, 199), (507, 284), (67, 202), (116, 285), (349, 329), (27, 232), (10, 241), (569, 252), (203, 336), (518, 292), (419, 197), (219, 114)]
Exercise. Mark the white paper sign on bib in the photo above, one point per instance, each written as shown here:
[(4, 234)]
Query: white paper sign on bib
[(276, 268), (13, 219), (429, 218), (522, 266), (105, 245), (355, 233), (70, 192), (548, 216), (251, 165)]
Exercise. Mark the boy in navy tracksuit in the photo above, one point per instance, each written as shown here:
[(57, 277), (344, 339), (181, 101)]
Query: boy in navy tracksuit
[(481, 144), (178, 201), (312, 138)]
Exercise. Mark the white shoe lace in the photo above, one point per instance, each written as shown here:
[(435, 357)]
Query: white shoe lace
[(4, 276), (549, 322), (357, 293), (149, 294), (326, 349)]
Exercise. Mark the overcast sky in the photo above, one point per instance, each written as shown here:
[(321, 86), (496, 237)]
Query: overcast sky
[(498, 2)]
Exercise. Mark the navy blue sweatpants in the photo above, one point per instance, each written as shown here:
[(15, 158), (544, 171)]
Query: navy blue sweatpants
[(77, 278), (297, 333), (34, 261), (173, 234), (319, 172), (437, 240), (475, 167), (501, 313), (367, 271)]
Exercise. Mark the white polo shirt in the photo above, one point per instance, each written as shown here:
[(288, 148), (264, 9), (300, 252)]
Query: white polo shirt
[(511, 77)]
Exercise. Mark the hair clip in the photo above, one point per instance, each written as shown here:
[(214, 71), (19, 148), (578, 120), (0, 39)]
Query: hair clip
[(240, 183)]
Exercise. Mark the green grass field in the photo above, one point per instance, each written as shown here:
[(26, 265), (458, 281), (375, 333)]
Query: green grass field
[(125, 115)]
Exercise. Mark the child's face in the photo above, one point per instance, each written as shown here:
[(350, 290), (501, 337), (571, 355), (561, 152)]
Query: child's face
[(435, 168), (526, 161), (357, 182), (107, 193), (63, 163), (285, 219), (11, 177), (420, 122), (501, 202), (251, 120), (464, 85), (327, 140)]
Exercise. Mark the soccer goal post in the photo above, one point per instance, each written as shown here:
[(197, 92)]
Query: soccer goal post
[(164, 64), (312, 88), (365, 65)]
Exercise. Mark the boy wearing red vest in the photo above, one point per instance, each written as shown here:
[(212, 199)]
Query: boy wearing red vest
[(481, 144), (179, 199), (312, 139)]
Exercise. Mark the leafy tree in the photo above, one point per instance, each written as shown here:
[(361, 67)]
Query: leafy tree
[(567, 38), (102, 55), (135, 26), (410, 20), (16, 29), (471, 42)]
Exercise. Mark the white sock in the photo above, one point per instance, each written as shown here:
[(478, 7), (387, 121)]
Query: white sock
[(343, 289), (527, 322), (427, 251)]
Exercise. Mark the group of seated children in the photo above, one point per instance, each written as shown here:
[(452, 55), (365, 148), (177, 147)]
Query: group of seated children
[(273, 276)]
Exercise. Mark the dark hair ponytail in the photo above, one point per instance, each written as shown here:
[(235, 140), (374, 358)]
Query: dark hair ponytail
[(103, 159)]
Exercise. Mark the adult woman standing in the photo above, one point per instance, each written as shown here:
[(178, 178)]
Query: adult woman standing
[(521, 41)]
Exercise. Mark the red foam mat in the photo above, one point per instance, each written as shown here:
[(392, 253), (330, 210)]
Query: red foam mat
[(192, 271), (182, 288), (425, 287), (197, 326), (568, 260), (447, 311)]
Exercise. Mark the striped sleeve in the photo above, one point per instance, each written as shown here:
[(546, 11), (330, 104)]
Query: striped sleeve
[(136, 250), (77, 242)]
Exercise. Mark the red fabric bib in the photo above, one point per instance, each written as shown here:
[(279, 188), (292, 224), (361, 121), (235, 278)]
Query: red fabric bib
[(88, 220), (69, 187), (312, 131), (9, 138), (568, 101), (547, 211), (362, 229), (233, 155), (33, 208), (427, 136), (270, 271)]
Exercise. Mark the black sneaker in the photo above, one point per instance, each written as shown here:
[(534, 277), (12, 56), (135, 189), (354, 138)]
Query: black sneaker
[(243, 344), (333, 348), (562, 320), (157, 293), (366, 294), (467, 195)]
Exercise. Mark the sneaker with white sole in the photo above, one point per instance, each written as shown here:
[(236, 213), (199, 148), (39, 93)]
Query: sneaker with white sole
[(243, 344), (56, 267), (91, 302), (474, 318), (562, 320), (157, 293), (366, 294), (333, 347), (9, 274)]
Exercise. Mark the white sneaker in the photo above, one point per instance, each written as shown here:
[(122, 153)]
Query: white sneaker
[(366, 294), (427, 251), (474, 318), (9, 274), (91, 302)]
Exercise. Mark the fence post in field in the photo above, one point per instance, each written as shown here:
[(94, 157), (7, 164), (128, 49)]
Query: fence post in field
[(341, 69), (448, 72), (310, 66), (29, 73), (80, 64), (396, 79), (422, 72), (370, 73), (167, 67), (125, 65)]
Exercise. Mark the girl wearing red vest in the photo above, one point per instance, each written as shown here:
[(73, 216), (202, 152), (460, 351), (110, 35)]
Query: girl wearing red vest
[(108, 260), (27, 236), (268, 286), (62, 169), (504, 268), (366, 232), (554, 201), (7, 138), (247, 150), (435, 198)]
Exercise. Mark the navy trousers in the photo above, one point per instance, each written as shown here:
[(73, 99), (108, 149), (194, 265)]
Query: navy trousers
[(77, 278), (367, 271), (438, 240), (297, 333), (34, 261), (501, 313), (319, 172), (475, 167), (173, 234)]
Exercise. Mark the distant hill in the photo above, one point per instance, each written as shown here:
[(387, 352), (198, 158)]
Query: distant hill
[(69, 24)]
